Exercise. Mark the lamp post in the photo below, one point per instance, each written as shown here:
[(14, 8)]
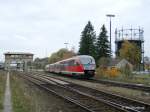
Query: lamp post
[(66, 44), (110, 16)]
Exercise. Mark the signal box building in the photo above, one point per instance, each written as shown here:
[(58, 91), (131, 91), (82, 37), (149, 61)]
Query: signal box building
[(18, 60)]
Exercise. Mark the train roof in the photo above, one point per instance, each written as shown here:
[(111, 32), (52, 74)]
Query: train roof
[(18, 53), (74, 57), (84, 56)]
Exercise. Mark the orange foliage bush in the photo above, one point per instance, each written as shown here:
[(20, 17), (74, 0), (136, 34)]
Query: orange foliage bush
[(113, 72), (108, 72)]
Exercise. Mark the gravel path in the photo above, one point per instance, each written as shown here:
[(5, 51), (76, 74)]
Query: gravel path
[(7, 98)]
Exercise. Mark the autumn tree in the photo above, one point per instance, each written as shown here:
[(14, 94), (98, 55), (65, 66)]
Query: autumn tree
[(60, 55), (53, 58), (39, 63), (131, 52), (87, 42)]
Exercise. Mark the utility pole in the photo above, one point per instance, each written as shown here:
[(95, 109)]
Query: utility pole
[(110, 16), (66, 45)]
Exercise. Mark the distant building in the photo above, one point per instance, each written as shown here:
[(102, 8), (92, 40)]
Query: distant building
[(117, 63), (17, 60), (1, 65), (147, 63), (147, 60)]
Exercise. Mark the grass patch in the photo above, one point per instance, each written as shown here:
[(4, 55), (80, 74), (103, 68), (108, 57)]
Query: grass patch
[(20, 101), (133, 78), (2, 88)]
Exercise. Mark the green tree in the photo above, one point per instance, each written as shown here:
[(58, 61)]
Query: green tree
[(131, 52), (102, 44), (87, 42)]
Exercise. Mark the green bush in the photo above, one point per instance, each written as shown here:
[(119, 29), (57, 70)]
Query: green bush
[(127, 71)]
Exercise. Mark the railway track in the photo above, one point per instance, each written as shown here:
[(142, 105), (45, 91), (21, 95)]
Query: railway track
[(121, 84), (90, 99), (140, 87), (86, 102)]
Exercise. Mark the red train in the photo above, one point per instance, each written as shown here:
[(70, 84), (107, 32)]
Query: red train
[(82, 66)]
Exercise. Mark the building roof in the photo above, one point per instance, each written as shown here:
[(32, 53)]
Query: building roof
[(113, 62), (123, 63), (18, 53), (117, 62)]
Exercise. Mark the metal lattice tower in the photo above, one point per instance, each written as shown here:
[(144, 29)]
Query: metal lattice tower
[(133, 36)]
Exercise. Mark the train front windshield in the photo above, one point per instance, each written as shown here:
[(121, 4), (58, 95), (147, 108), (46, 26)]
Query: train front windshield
[(87, 60), (88, 63)]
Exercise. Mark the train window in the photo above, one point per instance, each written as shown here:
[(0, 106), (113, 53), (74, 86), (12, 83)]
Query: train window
[(71, 63), (65, 63)]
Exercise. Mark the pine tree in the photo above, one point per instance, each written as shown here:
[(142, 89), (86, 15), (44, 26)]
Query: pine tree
[(102, 44), (87, 42)]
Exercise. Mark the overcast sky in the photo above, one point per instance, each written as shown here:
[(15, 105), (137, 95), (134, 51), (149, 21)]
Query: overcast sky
[(43, 26)]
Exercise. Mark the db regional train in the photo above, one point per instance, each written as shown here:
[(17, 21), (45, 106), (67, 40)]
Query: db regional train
[(82, 66)]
